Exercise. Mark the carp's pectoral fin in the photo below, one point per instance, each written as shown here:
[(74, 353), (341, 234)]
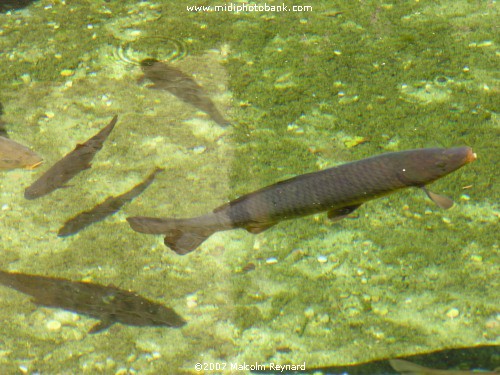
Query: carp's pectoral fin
[(183, 242), (101, 326), (256, 228), (405, 367), (337, 214), (440, 200)]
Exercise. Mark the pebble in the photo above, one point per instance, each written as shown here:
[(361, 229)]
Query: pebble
[(148, 346), (66, 317), (199, 150), (486, 43), (271, 260), (446, 220), (53, 325), (379, 335), (492, 323), (256, 245), (352, 312), (322, 259), (67, 72), (476, 258), (383, 311), (453, 313), (155, 355), (309, 312), (191, 301), (26, 78)]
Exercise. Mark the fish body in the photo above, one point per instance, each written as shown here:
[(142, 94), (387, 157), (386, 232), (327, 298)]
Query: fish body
[(409, 368), (14, 155), (166, 77), (107, 303), (6, 5), (110, 206), (339, 191), (70, 165), (3, 131)]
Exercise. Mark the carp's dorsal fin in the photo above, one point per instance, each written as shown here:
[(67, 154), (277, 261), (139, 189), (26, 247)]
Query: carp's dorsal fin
[(256, 228), (440, 200), (101, 325), (337, 214), (80, 145)]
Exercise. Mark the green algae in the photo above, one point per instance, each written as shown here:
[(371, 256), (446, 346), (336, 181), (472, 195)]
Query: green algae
[(392, 273)]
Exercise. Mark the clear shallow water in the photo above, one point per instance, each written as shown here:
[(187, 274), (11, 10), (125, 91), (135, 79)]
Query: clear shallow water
[(302, 91)]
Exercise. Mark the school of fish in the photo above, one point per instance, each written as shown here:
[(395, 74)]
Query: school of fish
[(339, 191)]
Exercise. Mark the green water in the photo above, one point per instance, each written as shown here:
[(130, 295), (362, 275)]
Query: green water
[(400, 277)]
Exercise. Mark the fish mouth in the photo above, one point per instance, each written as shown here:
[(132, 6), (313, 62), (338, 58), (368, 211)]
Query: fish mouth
[(35, 165), (471, 156)]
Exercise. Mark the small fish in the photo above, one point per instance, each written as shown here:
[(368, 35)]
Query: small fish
[(409, 368), (107, 303), (70, 165), (339, 191), (14, 155), (165, 77), (110, 206)]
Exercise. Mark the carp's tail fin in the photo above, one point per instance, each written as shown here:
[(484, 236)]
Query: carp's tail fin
[(181, 235)]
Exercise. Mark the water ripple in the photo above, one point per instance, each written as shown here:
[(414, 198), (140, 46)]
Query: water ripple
[(157, 47)]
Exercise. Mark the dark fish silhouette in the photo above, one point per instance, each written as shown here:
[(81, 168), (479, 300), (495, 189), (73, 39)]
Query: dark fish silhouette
[(6, 5), (165, 77), (14, 155), (70, 165), (339, 190), (110, 206), (3, 130), (409, 368), (107, 303)]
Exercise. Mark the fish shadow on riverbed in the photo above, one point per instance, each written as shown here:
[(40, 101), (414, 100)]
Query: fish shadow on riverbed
[(168, 78), (104, 209), (109, 304)]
